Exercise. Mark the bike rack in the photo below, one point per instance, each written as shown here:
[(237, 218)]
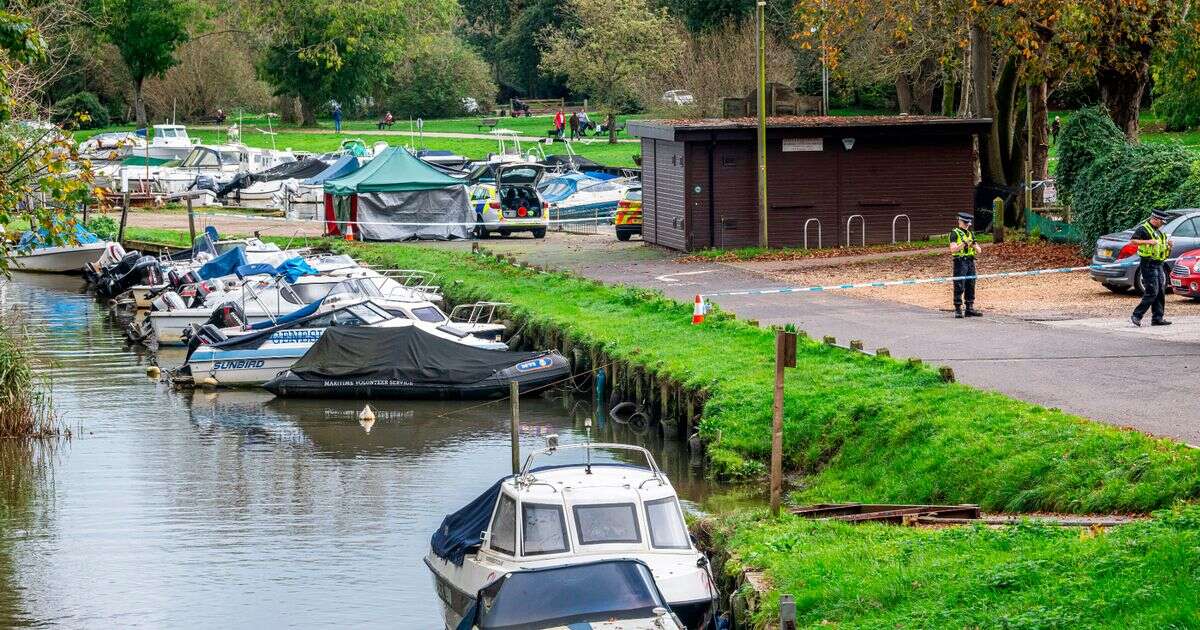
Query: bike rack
[(818, 232), (907, 224), (862, 222)]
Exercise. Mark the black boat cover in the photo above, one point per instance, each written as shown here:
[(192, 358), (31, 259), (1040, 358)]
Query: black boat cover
[(300, 169), (459, 533), (401, 354)]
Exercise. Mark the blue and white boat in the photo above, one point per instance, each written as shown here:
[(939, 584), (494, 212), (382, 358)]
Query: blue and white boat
[(576, 195), (33, 253)]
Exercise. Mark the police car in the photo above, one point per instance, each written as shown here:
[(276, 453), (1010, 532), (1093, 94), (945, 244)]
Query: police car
[(505, 199)]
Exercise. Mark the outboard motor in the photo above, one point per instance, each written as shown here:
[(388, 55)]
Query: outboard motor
[(203, 290), (227, 315), (197, 336), (145, 270), (168, 301)]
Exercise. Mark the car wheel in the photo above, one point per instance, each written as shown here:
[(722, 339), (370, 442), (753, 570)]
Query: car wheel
[(539, 233), (480, 231), (623, 235), (1116, 288), (505, 232)]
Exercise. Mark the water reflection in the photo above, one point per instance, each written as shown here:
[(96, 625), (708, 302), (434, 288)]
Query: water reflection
[(234, 509)]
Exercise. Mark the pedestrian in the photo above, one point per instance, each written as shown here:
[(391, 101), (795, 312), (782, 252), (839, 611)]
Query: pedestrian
[(1054, 128), (559, 121), (584, 123), (574, 124), (963, 249), (337, 117), (1153, 248)]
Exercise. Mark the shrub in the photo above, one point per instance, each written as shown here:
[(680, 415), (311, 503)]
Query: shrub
[(1121, 187), (434, 81), (1088, 134), (103, 227), (82, 110), (25, 409)]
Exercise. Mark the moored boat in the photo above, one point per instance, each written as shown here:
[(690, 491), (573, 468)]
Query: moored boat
[(33, 254)]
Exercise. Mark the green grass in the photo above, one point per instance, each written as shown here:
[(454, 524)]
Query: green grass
[(25, 406), (598, 150), (753, 253), (1140, 575), (858, 428)]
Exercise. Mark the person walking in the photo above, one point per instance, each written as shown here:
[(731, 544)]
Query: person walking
[(559, 121), (963, 249), (1154, 248), (337, 117), (573, 122), (1055, 127)]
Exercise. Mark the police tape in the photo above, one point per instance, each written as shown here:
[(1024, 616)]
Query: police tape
[(918, 281), (525, 222)]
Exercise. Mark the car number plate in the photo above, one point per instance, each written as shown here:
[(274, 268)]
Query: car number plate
[(1176, 282), (1107, 253)]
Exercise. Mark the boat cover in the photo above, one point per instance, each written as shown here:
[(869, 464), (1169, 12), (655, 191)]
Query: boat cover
[(223, 265), (291, 269), (462, 532), (343, 166), (401, 354), (41, 238)]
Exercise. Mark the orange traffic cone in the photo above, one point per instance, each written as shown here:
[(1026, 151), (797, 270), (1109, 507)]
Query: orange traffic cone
[(349, 233), (698, 311)]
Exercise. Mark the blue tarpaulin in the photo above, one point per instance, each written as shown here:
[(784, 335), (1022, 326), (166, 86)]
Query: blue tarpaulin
[(41, 238), (255, 269), (223, 265), (461, 532), (343, 166), (293, 268), (289, 318)]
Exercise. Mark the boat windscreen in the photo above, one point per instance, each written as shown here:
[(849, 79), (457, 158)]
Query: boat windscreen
[(618, 589)]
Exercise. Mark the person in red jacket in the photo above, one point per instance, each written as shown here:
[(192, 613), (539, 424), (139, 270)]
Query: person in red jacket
[(559, 121)]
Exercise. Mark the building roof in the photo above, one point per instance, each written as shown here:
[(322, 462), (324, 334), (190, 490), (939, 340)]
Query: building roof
[(681, 129)]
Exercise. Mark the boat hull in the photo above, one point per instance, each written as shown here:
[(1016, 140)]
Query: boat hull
[(168, 326), (243, 368), (70, 259)]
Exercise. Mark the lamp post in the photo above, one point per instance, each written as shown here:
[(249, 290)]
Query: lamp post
[(760, 11)]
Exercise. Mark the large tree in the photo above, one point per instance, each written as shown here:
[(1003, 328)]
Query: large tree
[(339, 50), (147, 33), (613, 47)]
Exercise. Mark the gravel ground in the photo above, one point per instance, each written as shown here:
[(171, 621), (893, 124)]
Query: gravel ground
[(1058, 296)]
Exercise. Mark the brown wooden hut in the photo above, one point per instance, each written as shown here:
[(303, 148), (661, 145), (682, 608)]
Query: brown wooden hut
[(830, 180)]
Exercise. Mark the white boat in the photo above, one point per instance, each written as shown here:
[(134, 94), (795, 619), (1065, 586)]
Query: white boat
[(573, 515), (170, 142), (580, 196), (64, 259)]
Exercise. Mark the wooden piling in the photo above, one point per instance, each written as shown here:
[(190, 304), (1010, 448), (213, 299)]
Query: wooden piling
[(514, 395), (124, 216)]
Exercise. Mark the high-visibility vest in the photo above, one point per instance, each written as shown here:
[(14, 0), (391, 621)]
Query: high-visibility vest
[(964, 236), (1159, 250)]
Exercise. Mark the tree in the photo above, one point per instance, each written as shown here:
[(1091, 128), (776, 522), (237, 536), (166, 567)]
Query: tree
[(614, 46), (432, 82), (484, 27), (147, 33), (705, 15), (338, 50), (1175, 78), (522, 47)]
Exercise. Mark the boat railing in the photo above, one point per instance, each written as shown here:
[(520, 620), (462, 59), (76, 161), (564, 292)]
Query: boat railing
[(476, 313), (412, 279), (527, 478)]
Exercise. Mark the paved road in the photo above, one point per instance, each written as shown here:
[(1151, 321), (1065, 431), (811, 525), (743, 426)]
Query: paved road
[(1107, 371)]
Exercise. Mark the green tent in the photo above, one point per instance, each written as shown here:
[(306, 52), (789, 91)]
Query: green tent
[(394, 170)]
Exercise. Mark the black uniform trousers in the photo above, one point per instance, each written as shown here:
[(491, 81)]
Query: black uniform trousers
[(1154, 289), (964, 266)]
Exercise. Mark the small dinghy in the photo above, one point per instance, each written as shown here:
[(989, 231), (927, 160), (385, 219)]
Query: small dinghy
[(35, 254), (412, 363)]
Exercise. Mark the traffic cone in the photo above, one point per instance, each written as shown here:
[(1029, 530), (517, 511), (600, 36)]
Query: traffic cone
[(698, 311)]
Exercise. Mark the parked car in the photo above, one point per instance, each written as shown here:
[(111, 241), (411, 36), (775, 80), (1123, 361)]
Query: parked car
[(1183, 230), (1185, 274), (628, 220), (678, 98), (506, 200)]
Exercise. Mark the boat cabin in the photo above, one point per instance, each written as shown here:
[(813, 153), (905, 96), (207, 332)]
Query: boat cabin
[(171, 136)]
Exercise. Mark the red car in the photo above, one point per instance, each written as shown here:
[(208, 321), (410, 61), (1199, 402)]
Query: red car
[(1185, 274)]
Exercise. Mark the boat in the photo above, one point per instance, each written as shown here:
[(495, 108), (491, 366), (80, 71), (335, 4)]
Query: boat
[(170, 142), (573, 514), (602, 595), (271, 188), (412, 363), (308, 201), (33, 254), (583, 195)]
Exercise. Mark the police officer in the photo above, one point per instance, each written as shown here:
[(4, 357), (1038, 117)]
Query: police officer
[(963, 249), (1154, 248)]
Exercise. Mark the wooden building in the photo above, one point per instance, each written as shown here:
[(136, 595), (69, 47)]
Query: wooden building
[(830, 180)]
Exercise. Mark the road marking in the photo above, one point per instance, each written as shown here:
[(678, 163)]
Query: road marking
[(669, 278)]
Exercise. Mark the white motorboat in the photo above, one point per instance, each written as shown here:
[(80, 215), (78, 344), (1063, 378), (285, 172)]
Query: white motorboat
[(572, 515), (63, 259), (170, 142), (581, 196)]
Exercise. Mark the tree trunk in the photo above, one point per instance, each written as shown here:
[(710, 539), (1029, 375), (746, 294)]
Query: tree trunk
[(948, 87), (308, 114), (1122, 94), (612, 128), (1041, 144), (904, 94), (139, 106), (923, 98), (983, 104)]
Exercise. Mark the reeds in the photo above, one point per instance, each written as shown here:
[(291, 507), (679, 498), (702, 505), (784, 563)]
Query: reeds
[(25, 406)]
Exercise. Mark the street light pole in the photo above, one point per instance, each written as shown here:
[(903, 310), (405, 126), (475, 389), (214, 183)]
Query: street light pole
[(760, 12)]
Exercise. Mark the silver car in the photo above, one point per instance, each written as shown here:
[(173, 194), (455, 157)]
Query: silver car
[(1183, 230)]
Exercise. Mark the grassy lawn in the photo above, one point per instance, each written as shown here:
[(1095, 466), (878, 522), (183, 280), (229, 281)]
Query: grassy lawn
[(858, 428), (1140, 575)]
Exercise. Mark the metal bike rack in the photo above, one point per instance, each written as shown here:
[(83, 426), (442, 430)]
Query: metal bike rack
[(907, 224), (850, 222), (818, 221)]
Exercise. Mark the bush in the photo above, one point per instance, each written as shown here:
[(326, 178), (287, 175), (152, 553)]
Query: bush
[(434, 81), (1120, 188), (1088, 134), (105, 228), (82, 110)]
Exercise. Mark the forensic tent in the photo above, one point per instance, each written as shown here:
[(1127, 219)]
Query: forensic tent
[(395, 197)]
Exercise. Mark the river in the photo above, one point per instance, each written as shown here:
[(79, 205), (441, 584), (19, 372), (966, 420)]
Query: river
[(231, 509)]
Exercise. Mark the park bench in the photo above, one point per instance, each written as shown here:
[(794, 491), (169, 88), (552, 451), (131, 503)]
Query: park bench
[(487, 123), (383, 122)]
